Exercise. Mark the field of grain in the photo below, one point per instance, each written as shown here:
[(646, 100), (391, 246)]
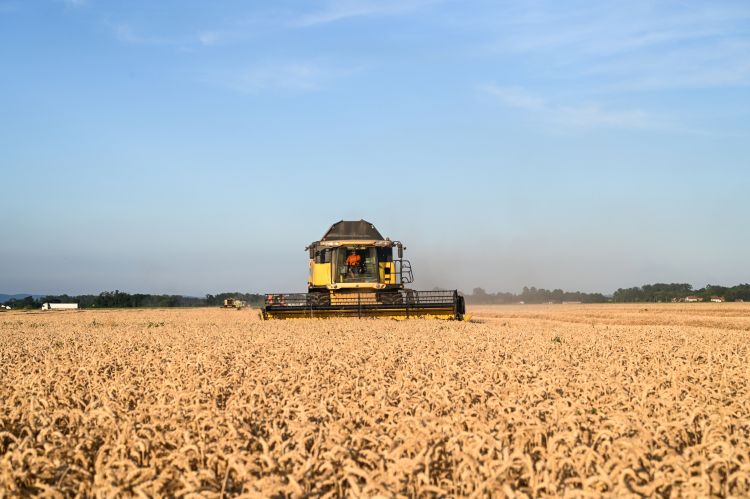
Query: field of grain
[(524, 400)]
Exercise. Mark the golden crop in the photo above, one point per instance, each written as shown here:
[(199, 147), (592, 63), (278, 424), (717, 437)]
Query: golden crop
[(524, 400)]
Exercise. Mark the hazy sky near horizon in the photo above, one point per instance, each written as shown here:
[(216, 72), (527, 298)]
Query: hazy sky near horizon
[(198, 146)]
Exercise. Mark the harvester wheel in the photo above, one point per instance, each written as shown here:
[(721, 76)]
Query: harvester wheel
[(318, 299), (391, 298)]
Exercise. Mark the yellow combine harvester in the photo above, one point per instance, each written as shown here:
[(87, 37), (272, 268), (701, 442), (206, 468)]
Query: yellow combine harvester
[(234, 303), (354, 273)]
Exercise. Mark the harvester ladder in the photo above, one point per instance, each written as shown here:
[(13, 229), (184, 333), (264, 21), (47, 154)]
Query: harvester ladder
[(405, 272)]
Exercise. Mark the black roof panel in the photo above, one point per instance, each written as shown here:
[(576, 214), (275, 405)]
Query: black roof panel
[(350, 229)]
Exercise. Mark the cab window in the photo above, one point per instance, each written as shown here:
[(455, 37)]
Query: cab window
[(385, 254), (323, 256), (356, 264)]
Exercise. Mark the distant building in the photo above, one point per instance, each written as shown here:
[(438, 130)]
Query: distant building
[(717, 299), (59, 306), (571, 303), (692, 299)]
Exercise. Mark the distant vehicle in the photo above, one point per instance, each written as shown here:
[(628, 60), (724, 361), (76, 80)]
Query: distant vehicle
[(59, 306), (4, 307), (234, 303)]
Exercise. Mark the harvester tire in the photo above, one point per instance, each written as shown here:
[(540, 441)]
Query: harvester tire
[(319, 299), (391, 298)]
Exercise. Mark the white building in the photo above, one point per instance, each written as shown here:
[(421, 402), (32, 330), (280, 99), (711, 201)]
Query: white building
[(59, 306)]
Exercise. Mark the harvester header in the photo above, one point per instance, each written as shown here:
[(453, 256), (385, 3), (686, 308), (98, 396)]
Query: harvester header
[(355, 273)]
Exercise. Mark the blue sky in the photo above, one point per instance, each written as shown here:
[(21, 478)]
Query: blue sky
[(198, 146)]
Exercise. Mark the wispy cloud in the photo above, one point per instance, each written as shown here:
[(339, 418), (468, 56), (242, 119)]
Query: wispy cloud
[(270, 21), (8, 6), (210, 38), (618, 26), (338, 10), (221, 36), (516, 97), (723, 64), (130, 35), (637, 44), (291, 77), (571, 117), (127, 35)]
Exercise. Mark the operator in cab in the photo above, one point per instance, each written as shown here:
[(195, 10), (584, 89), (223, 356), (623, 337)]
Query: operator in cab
[(353, 263)]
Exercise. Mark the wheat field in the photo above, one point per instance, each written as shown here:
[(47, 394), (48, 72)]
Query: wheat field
[(527, 401)]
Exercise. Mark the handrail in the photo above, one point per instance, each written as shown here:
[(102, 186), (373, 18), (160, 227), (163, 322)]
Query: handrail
[(404, 271)]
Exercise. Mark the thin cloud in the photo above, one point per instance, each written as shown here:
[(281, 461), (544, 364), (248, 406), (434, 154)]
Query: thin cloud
[(571, 117), (272, 21), (724, 64), (515, 97), (617, 27), (594, 116), (636, 44), (296, 77), (8, 7), (127, 35), (290, 77), (218, 37), (338, 10), (210, 38)]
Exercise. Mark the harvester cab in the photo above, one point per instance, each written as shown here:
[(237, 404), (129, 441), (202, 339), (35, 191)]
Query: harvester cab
[(354, 272)]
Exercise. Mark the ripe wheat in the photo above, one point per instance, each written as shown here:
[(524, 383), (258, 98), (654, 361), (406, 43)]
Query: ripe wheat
[(526, 401)]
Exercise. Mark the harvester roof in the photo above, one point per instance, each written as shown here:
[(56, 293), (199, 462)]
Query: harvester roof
[(350, 230)]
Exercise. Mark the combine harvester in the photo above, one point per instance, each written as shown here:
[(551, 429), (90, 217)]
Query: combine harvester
[(354, 273), (234, 303)]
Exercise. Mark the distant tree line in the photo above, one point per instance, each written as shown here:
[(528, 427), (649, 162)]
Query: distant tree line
[(120, 299), (659, 292), (662, 292), (533, 295)]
